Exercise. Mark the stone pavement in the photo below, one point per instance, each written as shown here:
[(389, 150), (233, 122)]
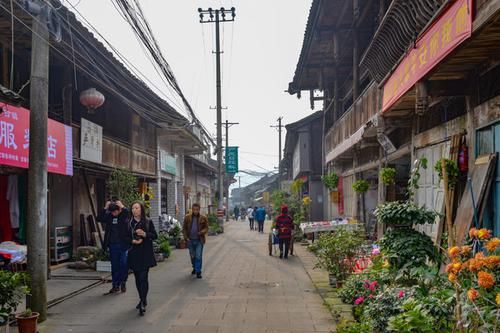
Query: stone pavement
[(243, 290)]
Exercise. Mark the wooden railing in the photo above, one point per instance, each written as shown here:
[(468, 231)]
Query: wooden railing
[(364, 108)]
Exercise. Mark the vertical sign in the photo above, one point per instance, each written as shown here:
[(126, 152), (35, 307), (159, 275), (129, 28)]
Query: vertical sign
[(91, 142), (232, 160), (340, 203)]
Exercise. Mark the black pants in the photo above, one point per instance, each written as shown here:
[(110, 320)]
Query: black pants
[(252, 223), (261, 226), (286, 242), (142, 284)]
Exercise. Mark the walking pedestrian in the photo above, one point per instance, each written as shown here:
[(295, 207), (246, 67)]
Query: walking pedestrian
[(236, 212), (260, 216), (115, 218), (284, 224), (141, 256), (251, 219), (254, 212), (195, 229)]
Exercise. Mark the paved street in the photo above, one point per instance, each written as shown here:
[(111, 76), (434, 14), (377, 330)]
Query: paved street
[(243, 290)]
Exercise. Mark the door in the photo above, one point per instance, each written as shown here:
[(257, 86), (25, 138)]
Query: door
[(488, 141)]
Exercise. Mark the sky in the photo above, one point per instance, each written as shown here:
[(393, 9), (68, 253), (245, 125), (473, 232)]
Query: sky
[(261, 49)]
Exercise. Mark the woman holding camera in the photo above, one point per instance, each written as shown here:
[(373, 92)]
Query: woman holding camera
[(141, 256)]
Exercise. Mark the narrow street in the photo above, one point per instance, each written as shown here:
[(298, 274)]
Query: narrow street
[(243, 290)]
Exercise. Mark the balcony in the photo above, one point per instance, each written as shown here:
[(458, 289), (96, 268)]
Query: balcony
[(349, 129)]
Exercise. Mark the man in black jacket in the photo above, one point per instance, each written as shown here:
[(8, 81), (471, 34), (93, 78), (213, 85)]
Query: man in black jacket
[(116, 218)]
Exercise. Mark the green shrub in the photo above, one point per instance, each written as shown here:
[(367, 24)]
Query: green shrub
[(13, 288), (330, 180), (404, 213), (352, 287), (384, 306), (353, 327), (360, 186)]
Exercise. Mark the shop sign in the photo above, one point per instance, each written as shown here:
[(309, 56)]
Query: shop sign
[(444, 35), (91, 142), (340, 197), (15, 137), (168, 163), (231, 159)]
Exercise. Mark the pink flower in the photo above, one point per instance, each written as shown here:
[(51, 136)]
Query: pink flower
[(371, 296), (401, 294), (367, 284), (373, 285), (375, 251), (359, 300)]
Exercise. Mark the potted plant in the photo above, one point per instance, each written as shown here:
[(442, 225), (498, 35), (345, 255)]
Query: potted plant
[(388, 175), (13, 288), (403, 214), (27, 321), (330, 180), (336, 251)]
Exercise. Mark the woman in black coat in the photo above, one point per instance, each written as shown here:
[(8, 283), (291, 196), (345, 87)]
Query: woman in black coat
[(141, 256)]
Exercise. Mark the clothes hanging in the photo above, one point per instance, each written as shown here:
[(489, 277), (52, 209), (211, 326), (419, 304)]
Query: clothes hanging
[(13, 197), (5, 227), (23, 202)]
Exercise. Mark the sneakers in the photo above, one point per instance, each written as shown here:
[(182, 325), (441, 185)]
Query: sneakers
[(193, 272), (123, 288), (198, 275)]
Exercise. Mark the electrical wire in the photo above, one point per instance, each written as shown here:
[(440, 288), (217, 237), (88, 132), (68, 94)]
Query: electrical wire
[(136, 107), (12, 47)]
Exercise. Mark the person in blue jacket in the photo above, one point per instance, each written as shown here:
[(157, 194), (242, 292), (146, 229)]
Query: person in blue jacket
[(260, 216)]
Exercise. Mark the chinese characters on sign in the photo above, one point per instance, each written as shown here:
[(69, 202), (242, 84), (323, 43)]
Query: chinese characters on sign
[(451, 29), (232, 160), (15, 136), (91, 142)]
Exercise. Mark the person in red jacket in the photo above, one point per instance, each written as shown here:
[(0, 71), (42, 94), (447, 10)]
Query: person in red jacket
[(284, 224)]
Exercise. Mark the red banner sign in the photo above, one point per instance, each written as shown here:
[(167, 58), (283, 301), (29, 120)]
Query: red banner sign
[(14, 141), (449, 31)]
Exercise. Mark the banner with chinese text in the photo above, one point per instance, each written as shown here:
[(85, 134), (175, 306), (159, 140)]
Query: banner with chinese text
[(232, 160), (444, 35), (14, 141)]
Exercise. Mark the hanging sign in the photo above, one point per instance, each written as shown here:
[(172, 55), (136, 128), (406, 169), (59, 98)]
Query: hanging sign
[(231, 159), (15, 136), (444, 35), (91, 141)]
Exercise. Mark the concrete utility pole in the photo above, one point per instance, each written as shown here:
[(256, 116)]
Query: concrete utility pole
[(217, 16), (36, 230), (228, 124), (280, 129)]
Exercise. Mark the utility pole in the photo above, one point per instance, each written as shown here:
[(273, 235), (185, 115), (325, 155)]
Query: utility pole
[(217, 16), (280, 129), (36, 230)]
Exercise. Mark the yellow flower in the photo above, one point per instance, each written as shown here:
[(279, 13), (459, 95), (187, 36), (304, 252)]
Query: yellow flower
[(452, 277), (492, 244), (485, 280), (306, 201), (473, 233), (465, 250), (498, 299), (472, 294), (484, 234), (491, 261), (454, 251), (386, 264)]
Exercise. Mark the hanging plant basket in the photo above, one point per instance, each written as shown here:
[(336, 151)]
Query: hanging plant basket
[(388, 175), (360, 186), (331, 180)]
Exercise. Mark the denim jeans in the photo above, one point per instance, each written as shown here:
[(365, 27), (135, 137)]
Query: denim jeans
[(196, 253), (119, 266), (261, 226)]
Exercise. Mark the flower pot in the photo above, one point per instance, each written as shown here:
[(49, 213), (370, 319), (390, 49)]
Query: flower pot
[(332, 279), (166, 254), (27, 324), (159, 257)]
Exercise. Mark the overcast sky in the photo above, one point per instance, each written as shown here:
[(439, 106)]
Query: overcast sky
[(261, 50)]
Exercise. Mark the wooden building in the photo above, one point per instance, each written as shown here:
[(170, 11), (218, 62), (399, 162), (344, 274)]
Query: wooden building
[(400, 80)]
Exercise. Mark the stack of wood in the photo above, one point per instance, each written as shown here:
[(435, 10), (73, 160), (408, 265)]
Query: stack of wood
[(91, 231)]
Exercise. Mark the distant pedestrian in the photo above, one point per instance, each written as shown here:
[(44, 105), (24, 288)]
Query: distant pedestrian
[(260, 216), (115, 217), (236, 212), (284, 224), (254, 212), (251, 219), (141, 256), (194, 230)]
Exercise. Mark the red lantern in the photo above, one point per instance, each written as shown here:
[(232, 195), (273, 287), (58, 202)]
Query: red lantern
[(463, 158), (91, 99)]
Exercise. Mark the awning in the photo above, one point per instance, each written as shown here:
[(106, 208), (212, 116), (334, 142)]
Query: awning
[(346, 144)]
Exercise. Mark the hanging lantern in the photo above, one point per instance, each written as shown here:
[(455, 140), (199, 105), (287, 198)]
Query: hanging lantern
[(91, 99)]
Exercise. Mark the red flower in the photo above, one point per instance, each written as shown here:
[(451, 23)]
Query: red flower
[(401, 294), (359, 300)]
